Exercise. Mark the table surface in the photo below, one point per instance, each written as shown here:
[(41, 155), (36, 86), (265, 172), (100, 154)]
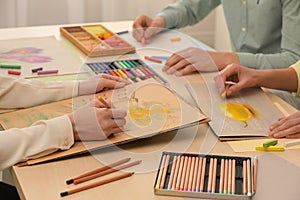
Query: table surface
[(47, 180)]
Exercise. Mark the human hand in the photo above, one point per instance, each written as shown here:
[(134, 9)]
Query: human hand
[(96, 122), (98, 83), (288, 127), (243, 77), (188, 61), (145, 27)]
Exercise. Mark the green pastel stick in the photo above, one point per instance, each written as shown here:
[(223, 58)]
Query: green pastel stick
[(270, 143), (10, 66)]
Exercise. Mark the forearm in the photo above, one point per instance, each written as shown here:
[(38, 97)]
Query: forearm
[(222, 59), (22, 93), (281, 79), (40, 139)]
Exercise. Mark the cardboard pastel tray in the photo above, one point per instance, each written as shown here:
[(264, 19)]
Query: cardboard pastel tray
[(204, 176), (96, 40)]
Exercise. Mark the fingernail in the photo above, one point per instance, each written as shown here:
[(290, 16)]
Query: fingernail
[(178, 74)]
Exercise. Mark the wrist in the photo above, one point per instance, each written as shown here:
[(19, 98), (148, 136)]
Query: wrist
[(160, 22), (75, 134)]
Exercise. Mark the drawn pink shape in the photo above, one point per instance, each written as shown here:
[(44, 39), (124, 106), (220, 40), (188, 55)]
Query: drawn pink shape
[(25, 50), (35, 59)]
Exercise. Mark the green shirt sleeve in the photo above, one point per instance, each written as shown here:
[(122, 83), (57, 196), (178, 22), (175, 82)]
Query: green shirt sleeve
[(187, 12), (296, 67), (289, 43)]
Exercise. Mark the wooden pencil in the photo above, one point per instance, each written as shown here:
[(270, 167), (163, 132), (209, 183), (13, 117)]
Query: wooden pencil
[(172, 173), (187, 174), (248, 178), (177, 187), (210, 173), (202, 175), (233, 176), (92, 185), (255, 165), (191, 180), (95, 171), (195, 174), (221, 184), (160, 172), (175, 173), (244, 178), (165, 169), (183, 173), (214, 178), (100, 98), (225, 176), (198, 181), (229, 176), (108, 171)]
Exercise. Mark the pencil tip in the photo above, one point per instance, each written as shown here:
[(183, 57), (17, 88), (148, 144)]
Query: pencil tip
[(62, 194), (70, 181)]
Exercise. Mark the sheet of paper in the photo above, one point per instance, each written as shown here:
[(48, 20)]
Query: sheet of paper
[(249, 145), (30, 53), (151, 108), (277, 179), (261, 112)]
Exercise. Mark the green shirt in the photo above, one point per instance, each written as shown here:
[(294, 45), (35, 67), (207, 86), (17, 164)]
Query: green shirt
[(265, 35)]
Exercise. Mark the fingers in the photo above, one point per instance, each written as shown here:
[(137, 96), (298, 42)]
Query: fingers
[(286, 127)]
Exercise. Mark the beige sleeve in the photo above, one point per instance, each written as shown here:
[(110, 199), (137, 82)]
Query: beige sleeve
[(42, 138), (22, 93)]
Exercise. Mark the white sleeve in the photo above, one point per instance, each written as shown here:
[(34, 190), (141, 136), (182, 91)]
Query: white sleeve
[(22, 93), (42, 138)]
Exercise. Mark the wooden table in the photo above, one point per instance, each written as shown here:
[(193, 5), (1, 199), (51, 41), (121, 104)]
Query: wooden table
[(47, 180)]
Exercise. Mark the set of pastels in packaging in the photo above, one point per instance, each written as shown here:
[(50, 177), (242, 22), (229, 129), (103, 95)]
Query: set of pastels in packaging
[(204, 176), (134, 70), (96, 40)]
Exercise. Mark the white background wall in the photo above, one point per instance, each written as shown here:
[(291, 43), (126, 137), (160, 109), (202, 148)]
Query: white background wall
[(18, 13)]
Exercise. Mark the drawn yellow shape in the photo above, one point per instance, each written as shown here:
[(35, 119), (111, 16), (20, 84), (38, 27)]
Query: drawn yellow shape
[(236, 112)]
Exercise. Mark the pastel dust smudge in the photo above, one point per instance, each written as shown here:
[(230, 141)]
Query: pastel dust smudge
[(26, 54), (239, 112)]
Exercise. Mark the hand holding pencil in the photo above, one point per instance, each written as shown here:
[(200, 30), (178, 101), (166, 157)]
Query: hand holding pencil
[(97, 121)]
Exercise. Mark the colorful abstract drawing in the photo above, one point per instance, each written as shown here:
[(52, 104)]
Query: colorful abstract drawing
[(26, 54)]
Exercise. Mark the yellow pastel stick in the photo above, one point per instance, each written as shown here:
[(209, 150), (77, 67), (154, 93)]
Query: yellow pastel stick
[(270, 148)]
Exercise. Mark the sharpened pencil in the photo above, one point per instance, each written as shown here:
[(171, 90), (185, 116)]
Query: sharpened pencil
[(100, 98), (95, 171), (92, 185)]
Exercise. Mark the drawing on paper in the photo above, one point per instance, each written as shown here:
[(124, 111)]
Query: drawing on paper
[(26, 55), (238, 112)]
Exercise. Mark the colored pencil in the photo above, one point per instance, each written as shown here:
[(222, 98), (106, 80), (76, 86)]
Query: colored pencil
[(198, 181), (108, 171), (221, 177), (177, 187), (92, 185), (233, 176), (244, 178), (175, 173), (248, 178), (165, 169), (100, 98), (187, 174), (192, 167), (229, 176), (172, 173), (202, 175), (195, 174), (95, 171), (225, 177), (181, 187), (255, 174), (210, 173), (160, 172), (214, 178)]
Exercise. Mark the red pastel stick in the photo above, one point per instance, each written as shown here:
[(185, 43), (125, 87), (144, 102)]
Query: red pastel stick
[(153, 59), (14, 72)]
